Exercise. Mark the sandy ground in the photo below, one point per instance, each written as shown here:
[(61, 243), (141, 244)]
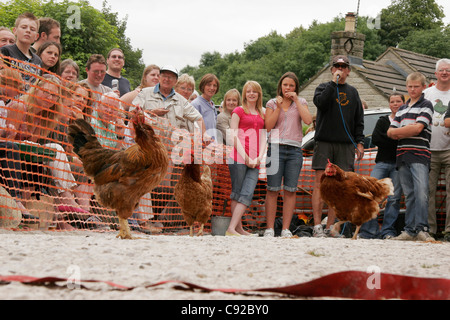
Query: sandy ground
[(210, 261)]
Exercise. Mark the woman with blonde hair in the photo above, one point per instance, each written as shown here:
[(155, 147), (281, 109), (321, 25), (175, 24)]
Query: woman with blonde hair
[(150, 78), (11, 85), (249, 137), (35, 117), (231, 100), (185, 86)]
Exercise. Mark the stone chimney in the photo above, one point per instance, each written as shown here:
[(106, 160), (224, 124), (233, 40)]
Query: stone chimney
[(350, 22), (349, 42)]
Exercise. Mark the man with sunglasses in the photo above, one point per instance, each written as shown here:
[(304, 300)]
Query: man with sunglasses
[(339, 133)]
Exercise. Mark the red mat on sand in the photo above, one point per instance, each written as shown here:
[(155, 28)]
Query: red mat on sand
[(349, 284)]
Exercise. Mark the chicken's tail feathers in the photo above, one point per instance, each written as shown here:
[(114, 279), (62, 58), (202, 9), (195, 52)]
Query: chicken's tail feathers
[(388, 182), (80, 133)]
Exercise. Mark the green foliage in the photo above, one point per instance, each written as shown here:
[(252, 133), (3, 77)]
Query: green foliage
[(414, 25), (405, 16), (98, 31), (435, 42)]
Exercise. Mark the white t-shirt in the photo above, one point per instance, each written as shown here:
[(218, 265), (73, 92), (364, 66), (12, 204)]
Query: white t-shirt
[(3, 114), (440, 137)]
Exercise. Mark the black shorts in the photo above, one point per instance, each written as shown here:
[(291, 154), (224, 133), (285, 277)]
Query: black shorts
[(340, 154)]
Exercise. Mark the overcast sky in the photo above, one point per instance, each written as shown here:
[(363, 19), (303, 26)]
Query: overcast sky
[(178, 32)]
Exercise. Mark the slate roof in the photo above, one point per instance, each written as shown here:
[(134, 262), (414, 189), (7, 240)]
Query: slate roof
[(390, 70)]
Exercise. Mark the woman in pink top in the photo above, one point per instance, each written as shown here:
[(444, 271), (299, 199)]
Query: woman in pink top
[(249, 136), (284, 116)]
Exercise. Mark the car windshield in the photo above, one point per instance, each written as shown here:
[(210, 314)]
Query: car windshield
[(370, 120)]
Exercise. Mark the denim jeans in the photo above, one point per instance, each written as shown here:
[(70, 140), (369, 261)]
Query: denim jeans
[(370, 229), (243, 182), (415, 185), (439, 160), (288, 160)]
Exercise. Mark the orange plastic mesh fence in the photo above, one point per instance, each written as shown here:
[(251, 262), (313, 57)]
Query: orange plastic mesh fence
[(40, 175)]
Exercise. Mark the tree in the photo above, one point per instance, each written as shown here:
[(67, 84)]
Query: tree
[(435, 42), (134, 65), (405, 16), (415, 24), (93, 31)]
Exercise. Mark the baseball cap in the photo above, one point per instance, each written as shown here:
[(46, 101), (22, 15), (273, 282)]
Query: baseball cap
[(169, 68), (340, 59)]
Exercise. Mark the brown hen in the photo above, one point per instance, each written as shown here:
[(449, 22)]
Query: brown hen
[(122, 177), (193, 193), (355, 198)]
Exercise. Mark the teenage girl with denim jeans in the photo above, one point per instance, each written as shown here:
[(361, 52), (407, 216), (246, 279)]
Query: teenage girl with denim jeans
[(247, 127), (284, 117)]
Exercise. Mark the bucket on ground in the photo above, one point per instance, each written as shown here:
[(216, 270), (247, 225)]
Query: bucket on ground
[(219, 225)]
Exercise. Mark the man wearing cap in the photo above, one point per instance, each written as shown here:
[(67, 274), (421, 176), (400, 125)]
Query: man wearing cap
[(164, 102), (172, 109), (339, 132)]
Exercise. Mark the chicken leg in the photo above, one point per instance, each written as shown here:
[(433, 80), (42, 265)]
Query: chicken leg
[(356, 232), (200, 232), (124, 229)]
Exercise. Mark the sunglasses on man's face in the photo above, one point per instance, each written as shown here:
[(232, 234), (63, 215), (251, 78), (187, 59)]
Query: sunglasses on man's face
[(340, 66)]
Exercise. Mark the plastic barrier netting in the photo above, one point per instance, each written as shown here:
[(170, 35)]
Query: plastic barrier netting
[(42, 184)]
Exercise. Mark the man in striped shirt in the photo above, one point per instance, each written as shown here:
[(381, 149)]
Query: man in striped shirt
[(412, 128)]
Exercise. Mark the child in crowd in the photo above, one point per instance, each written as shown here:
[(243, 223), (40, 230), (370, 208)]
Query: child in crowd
[(284, 117), (26, 32), (249, 136), (385, 167), (412, 128), (50, 54), (231, 100)]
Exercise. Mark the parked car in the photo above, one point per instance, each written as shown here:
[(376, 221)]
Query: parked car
[(370, 120)]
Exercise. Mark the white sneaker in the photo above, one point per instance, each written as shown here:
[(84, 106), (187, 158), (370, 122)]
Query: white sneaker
[(424, 236), (404, 236), (318, 231), (269, 233), (286, 233)]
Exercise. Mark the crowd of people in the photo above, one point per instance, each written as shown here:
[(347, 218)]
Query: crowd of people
[(40, 101)]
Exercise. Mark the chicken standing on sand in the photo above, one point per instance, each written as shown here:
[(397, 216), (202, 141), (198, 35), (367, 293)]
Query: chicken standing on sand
[(193, 193), (355, 198), (121, 177)]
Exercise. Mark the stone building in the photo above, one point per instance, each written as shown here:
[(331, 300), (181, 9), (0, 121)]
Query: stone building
[(375, 80)]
